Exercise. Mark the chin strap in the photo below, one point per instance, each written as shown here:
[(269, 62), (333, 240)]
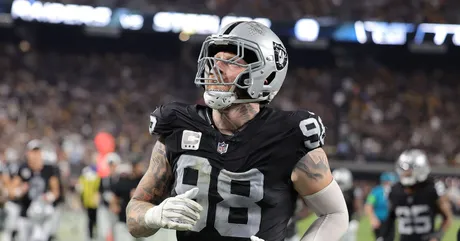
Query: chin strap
[(220, 100), (238, 101)]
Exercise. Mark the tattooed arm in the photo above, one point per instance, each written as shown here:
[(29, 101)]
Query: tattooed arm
[(313, 180), (312, 173), (152, 189)]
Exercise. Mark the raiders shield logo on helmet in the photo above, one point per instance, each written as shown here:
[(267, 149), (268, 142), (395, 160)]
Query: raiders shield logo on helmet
[(281, 57)]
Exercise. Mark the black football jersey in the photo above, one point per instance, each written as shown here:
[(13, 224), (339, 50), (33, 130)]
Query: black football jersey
[(38, 183), (416, 212), (243, 179)]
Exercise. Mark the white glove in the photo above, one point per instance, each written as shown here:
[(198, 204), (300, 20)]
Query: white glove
[(255, 238), (354, 225), (179, 213)]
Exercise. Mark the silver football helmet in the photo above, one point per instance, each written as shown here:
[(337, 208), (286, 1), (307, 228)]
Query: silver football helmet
[(344, 178), (265, 64), (412, 167)]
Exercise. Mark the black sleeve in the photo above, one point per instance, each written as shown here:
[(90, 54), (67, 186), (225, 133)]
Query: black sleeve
[(113, 184), (387, 226), (50, 171), (54, 171), (118, 187), (57, 171), (311, 129)]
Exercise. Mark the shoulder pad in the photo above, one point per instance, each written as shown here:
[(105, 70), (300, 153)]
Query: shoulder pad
[(312, 129), (162, 118), (440, 188)]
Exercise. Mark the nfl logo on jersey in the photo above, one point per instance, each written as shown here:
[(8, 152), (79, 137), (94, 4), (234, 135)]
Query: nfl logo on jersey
[(222, 147)]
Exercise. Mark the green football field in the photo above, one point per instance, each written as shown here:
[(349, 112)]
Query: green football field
[(73, 228), (365, 231)]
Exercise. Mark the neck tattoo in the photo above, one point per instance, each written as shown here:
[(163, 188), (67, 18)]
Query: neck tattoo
[(230, 120)]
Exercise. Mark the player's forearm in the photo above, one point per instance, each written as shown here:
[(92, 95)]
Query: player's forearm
[(152, 189), (446, 223), (54, 191), (135, 219), (446, 211), (358, 210), (369, 210)]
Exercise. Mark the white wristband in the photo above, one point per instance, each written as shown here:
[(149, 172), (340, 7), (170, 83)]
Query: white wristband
[(151, 217)]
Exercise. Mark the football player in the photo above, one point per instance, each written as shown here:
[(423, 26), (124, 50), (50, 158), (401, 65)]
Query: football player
[(376, 206), (416, 200), (352, 196), (123, 191), (37, 186), (232, 170), (105, 218), (50, 159)]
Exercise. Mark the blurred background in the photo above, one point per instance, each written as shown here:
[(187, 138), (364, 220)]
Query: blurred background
[(382, 74)]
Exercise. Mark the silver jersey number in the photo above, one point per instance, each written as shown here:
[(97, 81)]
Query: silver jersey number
[(414, 219), (237, 215)]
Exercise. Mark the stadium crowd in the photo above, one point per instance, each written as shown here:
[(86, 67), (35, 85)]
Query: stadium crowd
[(66, 99), (372, 111), (439, 11)]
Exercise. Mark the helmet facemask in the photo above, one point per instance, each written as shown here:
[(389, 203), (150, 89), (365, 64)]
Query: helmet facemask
[(227, 92), (407, 176)]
